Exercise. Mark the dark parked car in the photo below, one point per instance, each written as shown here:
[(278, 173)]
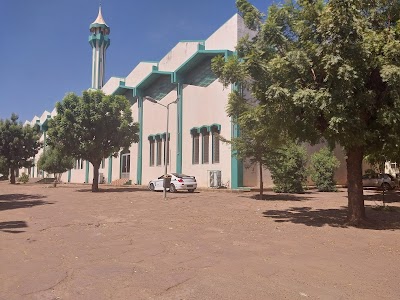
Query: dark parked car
[(383, 181)]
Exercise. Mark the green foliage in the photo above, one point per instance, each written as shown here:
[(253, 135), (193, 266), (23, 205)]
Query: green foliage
[(288, 168), (18, 144), (370, 172), (326, 70), (24, 178), (92, 126), (53, 161), (322, 169), (3, 167)]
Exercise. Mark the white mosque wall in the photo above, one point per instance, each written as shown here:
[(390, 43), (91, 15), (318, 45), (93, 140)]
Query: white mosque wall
[(140, 72), (154, 121), (177, 56), (206, 106), (111, 85)]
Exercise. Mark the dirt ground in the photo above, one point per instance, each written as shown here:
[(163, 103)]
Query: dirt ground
[(128, 243)]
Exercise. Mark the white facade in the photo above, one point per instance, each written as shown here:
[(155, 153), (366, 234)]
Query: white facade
[(184, 75)]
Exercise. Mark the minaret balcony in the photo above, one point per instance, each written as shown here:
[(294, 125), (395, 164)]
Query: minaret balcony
[(99, 39)]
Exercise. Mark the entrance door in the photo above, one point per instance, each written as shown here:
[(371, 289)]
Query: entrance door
[(125, 165)]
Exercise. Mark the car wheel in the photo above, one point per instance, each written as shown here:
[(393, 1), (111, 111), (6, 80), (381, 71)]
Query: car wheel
[(385, 186), (190, 191), (172, 188), (151, 187)]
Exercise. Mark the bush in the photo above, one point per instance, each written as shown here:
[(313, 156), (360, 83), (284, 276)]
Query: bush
[(288, 169), (24, 178), (322, 169)]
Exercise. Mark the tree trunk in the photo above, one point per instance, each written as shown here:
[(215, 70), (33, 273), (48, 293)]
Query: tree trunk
[(12, 176), (356, 209), (55, 180), (95, 184), (261, 182)]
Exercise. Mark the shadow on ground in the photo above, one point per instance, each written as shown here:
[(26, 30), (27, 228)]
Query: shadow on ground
[(114, 190), (15, 201), (390, 196), (279, 197), (378, 220), (11, 226)]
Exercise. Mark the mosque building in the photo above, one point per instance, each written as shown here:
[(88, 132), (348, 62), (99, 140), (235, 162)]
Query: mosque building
[(183, 81)]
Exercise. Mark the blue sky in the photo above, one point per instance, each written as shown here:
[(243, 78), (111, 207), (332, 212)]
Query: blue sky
[(44, 49)]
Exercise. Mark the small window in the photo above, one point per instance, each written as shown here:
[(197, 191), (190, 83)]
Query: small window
[(159, 149), (152, 153), (103, 163), (195, 158), (166, 153), (215, 146), (206, 147), (78, 164)]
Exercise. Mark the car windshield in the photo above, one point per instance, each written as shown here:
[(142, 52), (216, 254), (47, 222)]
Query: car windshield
[(180, 175)]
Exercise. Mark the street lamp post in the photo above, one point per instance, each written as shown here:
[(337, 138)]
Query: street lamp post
[(166, 140)]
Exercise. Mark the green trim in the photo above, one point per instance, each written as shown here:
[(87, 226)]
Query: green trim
[(179, 128), (87, 172), (236, 165), (69, 175), (140, 146), (197, 58), (98, 25), (109, 179)]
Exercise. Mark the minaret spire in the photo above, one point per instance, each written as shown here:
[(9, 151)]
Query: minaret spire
[(99, 41)]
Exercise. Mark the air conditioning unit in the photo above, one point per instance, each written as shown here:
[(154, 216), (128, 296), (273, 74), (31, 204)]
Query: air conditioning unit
[(214, 178)]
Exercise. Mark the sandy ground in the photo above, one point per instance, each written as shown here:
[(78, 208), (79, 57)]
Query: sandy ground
[(127, 243)]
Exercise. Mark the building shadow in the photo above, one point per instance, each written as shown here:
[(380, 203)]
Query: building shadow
[(377, 220), (15, 201), (12, 226), (114, 190), (279, 197)]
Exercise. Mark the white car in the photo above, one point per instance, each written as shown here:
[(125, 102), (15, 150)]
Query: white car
[(178, 182)]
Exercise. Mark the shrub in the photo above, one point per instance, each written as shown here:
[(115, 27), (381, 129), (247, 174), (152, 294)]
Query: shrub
[(24, 178), (322, 169), (288, 169)]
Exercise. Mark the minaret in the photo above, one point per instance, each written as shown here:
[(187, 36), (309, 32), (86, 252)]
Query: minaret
[(99, 41)]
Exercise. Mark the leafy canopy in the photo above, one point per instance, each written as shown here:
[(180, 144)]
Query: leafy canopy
[(18, 144), (92, 126), (54, 162)]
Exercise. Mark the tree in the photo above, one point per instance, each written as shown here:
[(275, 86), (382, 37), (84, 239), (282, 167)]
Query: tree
[(325, 69), (53, 161), (255, 143), (4, 170), (288, 168), (92, 126), (322, 169), (18, 145)]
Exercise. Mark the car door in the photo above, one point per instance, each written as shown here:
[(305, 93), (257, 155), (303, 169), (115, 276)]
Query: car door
[(159, 183), (366, 180)]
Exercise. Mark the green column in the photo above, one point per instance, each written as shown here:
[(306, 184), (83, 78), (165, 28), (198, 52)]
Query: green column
[(179, 128), (109, 180), (140, 146), (87, 172), (236, 165)]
